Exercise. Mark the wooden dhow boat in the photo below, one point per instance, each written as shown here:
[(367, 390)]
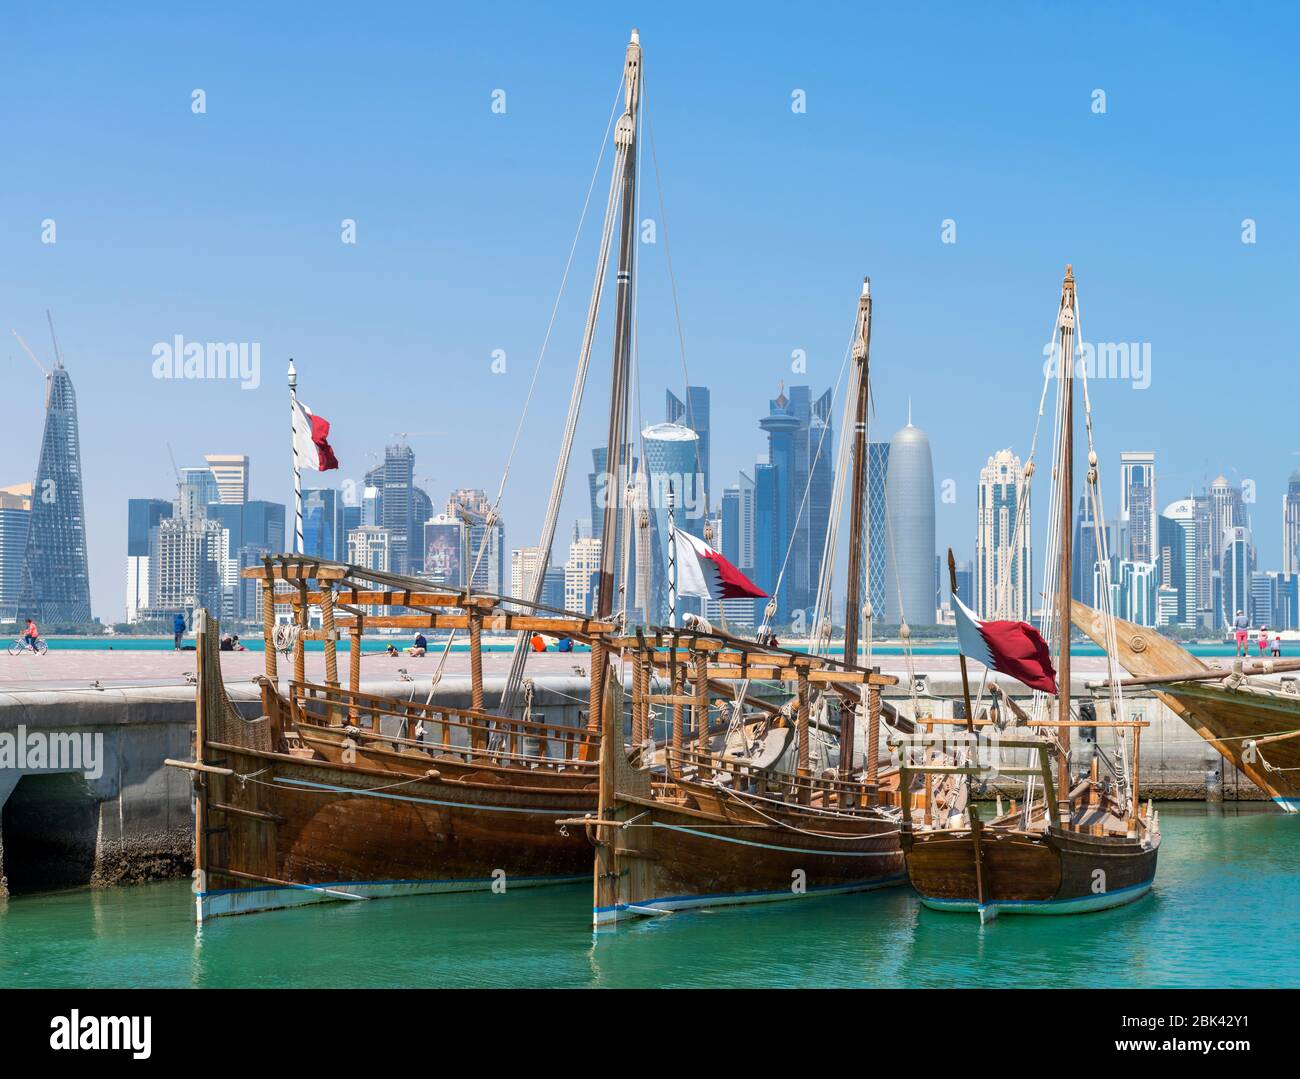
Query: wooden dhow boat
[(1247, 712), (333, 793), (1076, 844), (706, 818)]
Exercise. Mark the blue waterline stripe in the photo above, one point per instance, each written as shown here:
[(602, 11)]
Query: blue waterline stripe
[(422, 801), (339, 886), (791, 850), (857, 885), (1014, 904)]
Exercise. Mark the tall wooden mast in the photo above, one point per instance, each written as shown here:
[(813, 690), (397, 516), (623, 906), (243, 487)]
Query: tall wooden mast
[(625, 140), (857, 511), (1065, 480)]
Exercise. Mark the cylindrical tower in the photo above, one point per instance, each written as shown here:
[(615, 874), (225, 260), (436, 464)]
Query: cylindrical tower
[(909, 499)]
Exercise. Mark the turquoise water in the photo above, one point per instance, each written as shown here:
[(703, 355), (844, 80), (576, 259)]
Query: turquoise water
[(1226, 897)]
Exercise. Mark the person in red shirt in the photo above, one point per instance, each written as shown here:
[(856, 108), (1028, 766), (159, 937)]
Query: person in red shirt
[(31, 635)]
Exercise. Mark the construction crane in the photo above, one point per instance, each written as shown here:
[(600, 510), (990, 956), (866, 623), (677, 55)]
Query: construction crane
[(180, 483), (27, 349)]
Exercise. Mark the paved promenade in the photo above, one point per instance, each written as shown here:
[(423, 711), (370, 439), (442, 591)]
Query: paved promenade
[(65, 669)]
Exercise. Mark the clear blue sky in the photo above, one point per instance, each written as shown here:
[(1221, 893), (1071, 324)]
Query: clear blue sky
[(226, 227)]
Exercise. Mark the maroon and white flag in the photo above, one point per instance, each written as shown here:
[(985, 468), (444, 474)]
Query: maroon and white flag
[(703, 572), (1013, 648), (311, 440)]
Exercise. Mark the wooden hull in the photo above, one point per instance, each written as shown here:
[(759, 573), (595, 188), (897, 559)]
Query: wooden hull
[(307, 831), (1028, 872), (1230, 720), (675, 857)]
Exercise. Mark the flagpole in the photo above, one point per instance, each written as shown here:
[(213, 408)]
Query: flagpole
[(672, 559), (297, 469), (961, 656)]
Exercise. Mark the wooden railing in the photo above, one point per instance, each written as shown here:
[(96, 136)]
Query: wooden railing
[(796, 791), (458, 732)]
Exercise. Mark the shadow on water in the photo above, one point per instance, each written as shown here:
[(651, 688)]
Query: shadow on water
[(1225, 893)]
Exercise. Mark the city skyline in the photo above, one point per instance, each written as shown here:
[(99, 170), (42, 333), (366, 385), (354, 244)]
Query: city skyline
[(765, 272)]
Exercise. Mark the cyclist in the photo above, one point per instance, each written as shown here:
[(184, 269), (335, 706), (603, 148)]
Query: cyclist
[(31, 635)]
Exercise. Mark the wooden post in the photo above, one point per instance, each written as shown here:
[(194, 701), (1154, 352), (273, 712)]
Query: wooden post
[(873, 732), (801, 727), (476, 660), (300, 646), (327, 624), (354, 667), (702, 703), (976, 828), (268, 622), (1137, 750), (638, 698)]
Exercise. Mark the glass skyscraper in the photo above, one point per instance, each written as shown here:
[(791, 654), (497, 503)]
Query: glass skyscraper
[(694, 413), (801, 446), (56, 576)]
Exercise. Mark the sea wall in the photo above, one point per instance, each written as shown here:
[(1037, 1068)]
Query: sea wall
[(119, 815)]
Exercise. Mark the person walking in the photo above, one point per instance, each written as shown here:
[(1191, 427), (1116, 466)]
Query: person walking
[(1242, 625), (178, 629)]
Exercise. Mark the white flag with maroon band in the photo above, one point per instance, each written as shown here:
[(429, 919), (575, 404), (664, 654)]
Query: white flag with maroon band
[(311, 440), (703, 572), (1014, 648)]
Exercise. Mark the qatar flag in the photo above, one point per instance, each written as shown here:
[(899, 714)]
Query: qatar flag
[(1013, 648), (703, 572), (311, 448)]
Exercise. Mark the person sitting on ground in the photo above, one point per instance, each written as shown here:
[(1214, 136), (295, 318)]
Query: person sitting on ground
[(564, 644), (227, 643), (1242, 626), (31, 635), (235, 645), (539, 643), (420, 647), (1277, 643), (391, 650), (1263, 640)]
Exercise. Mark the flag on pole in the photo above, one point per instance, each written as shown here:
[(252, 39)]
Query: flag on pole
[(703, 572), (311, 440), (1013, 648)]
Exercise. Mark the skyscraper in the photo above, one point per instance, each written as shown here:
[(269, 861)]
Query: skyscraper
[(1003, 556), (670, 459), (142, 516), (1179, 565), (15, 518), (1227, 510), (323, 532), (1291, 526), (909, 497), (398, 504), (56, 576), (884, 609), (694, 413), (793, 498), (1235, 567), (486, 539), (230, 471), (1137, 505), (1085, 554)]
